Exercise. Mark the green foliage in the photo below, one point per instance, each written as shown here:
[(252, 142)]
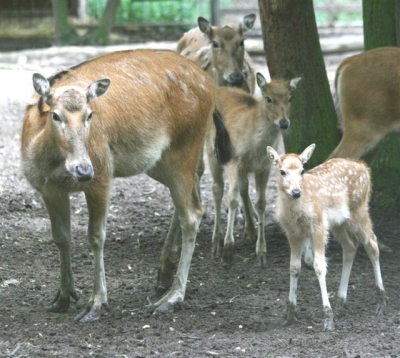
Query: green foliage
[(326, 17), (153, 12)]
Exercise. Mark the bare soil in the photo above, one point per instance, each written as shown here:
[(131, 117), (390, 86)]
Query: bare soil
[(226, 313)]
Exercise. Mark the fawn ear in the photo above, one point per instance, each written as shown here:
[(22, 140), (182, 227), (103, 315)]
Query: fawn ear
[(306, 155), (294, 82), (273, 155), (205, 27), (42, 87), (247, 23)]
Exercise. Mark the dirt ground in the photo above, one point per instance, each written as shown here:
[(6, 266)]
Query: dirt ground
[(226, 313)]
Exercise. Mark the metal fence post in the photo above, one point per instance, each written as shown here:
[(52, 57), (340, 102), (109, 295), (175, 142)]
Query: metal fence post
[(215, 14)]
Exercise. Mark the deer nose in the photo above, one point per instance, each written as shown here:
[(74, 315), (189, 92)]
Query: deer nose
[(296, 193), (235, 79), (284, 124), (84, 172)]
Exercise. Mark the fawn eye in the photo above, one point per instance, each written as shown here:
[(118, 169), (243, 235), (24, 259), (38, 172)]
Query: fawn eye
[(283, 173), (55, 117), (302, 172), (269, 99), (215, 44)]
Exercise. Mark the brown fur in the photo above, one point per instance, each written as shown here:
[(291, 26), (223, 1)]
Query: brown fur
[(152, 119), (252, 124), (368, 97), (229, 58)]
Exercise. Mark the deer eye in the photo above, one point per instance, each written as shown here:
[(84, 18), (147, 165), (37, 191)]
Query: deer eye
[(283, 173), (269, 99), (55, 117), (215, 44)]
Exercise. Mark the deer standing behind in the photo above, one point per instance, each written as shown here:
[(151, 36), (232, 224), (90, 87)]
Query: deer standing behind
[(252, 125), (220, 51), (119, 115), (332, 196), (368, 98)]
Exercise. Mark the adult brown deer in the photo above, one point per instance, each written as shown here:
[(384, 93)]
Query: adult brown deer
[(252, 125), (332, 196), (368, 96), (154, 112), (220, 51)]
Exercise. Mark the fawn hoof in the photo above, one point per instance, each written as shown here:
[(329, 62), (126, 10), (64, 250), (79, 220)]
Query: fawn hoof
[(290, 314), (262, 260), (227, 254), (167, 303), (328, 320), (91, 313), (381, 302), (216, 246)]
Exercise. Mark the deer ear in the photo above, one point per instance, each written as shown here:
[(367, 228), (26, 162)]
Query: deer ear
[(98, 88), (273, 155), (294, 82), (306, 155), (204, 26), (247, 22), (42, 86), (261, 81)]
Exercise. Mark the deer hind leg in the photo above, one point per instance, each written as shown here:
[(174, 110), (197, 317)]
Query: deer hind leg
[(97, 200), (233, 204), (349, 246), (58, 207), (261, 179), (169, 254), (370, 242), (218, 193), (184, 192)]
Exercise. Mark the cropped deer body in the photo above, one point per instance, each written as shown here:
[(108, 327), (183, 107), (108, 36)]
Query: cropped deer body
[(118, 115), (220, 51), (368, 98), (332, 196), (252, 125)]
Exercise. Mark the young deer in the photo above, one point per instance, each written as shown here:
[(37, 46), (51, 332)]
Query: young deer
[(332, 196), (119, 115), (368, 97), (220, 51), (252, 125)]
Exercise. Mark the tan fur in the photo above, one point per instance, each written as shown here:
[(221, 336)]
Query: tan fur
[(229, 58), (332, 196), (152, 119), (368, 95), (252, 124)]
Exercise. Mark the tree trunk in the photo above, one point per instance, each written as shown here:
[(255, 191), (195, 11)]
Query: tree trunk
[(292, 47), (380, 26), (379, 23), (102, 35), (65, 34)]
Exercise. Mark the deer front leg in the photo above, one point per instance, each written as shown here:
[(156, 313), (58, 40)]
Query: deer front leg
[(261, 179), (295, 268), (233, 204), (218, 193), (320, 271), (58, 207), (97, 201)]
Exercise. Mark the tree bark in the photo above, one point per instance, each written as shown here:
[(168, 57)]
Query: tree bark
[(381, 23), (65, 34), (292, 47), (102, 34)]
